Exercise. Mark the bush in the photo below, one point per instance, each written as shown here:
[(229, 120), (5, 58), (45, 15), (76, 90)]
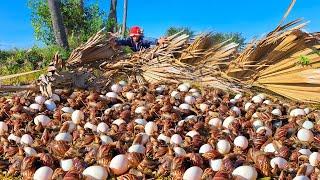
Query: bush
[(81, 22), (36, 58)]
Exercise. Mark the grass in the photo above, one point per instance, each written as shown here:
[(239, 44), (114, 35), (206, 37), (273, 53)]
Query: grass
[(18, 61), (22, 79)]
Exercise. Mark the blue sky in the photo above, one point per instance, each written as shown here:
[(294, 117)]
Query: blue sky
[(250, 17)]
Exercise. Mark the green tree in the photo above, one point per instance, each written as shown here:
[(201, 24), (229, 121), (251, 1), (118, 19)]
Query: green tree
[(174, 30), (216, 37), (233, 37), (81, 20)]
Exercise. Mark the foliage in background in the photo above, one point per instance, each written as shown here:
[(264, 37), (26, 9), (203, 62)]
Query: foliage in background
[(233, 37), (111, 25), (81, 22), (216, 37), (174, 30), (18, 61)]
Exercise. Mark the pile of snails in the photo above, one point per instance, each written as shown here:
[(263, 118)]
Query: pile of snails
[(157, 131)]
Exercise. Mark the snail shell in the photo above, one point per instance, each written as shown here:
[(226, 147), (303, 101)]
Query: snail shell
[(67, 110), (257, 99), (137, 148), (228, 121), (301, 178), (189, 99), (247, 106), (63, 137), (238, 96), (276, 112), (29, 151), (308, 125), (179, 151)]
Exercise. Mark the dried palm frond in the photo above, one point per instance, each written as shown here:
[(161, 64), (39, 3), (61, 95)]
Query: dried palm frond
[(286, 61), (140, 61), (220, 55), (273, 48), (294, 78), (171, 64), (204, 51), (197, 49), (98, 47)]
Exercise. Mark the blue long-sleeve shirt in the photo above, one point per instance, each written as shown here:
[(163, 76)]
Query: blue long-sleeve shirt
[(136, 46)]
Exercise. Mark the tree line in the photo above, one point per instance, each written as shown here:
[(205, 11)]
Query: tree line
[(68, 23)]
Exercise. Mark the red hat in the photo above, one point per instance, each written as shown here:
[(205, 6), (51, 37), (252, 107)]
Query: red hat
[(135, 31)]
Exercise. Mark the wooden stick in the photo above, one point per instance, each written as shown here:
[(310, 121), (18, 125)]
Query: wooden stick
[(17, 88)]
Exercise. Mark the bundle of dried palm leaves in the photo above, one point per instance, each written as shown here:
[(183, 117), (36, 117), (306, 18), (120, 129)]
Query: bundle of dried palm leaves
[(286, 61), (97, 48), (179, 60)]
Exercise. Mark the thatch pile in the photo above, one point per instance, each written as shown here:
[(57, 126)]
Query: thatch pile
[(286, 61), (96, 49)]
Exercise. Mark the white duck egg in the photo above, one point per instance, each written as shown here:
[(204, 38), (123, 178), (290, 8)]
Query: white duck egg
[(245, 172), (215, 164), (176, 139), (50, 104), (43, 173), (223, 146), (228, 121), (193, 173), (281, 162), (241, 141), (215, 122), (305, 135), (205, 148)]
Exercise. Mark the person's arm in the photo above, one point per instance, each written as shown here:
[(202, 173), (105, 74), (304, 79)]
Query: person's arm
[(123, 42), (159, 41), (148, 43)]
